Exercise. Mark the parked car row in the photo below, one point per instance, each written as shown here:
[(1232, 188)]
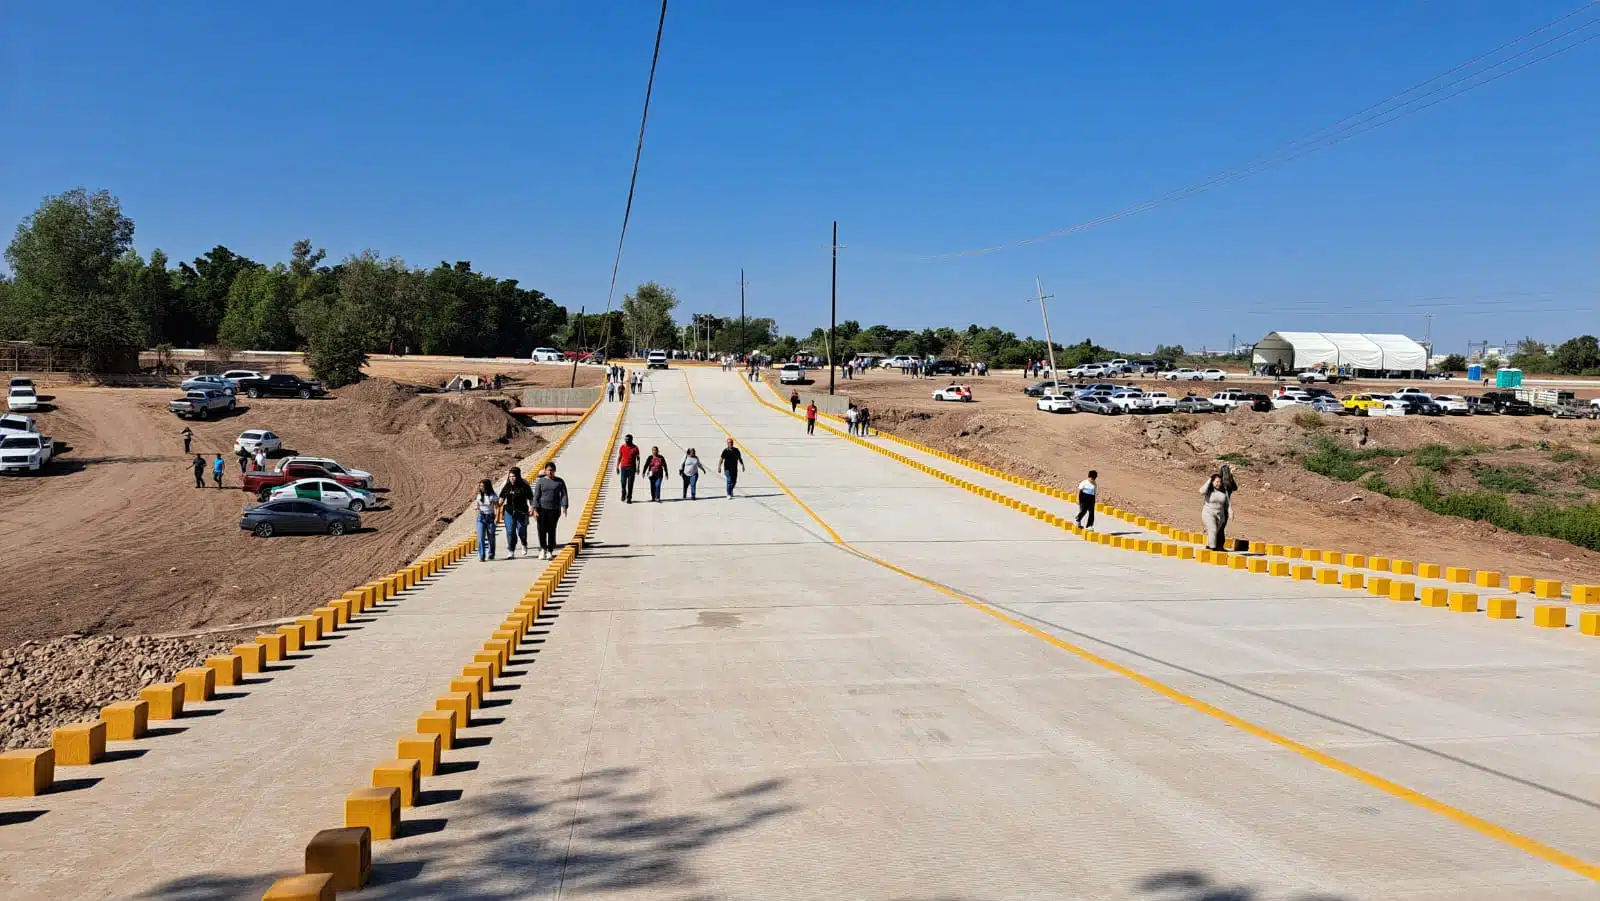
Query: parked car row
[(304, 495), (204, 395), (22, 448)]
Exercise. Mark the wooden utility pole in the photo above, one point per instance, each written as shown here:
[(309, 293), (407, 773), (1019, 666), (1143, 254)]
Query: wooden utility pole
[(833, 315)]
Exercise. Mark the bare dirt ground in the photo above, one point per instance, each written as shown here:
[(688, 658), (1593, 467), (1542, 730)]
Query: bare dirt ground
[(1155, 465), (113, 548)]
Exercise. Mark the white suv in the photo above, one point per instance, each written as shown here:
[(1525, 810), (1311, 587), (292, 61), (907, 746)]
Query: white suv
[(547, 355), (656, 360)]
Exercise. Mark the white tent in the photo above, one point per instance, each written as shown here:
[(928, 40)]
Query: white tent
[(1292, 351)]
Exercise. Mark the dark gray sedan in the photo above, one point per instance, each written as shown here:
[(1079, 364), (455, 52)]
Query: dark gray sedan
[(1098, 403), (1194, 404), (293, 516)]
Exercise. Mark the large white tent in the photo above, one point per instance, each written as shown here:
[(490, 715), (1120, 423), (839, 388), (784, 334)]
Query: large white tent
[(1294, 351)]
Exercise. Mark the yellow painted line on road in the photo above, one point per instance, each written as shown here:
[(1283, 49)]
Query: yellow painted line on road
[(1412, 796)]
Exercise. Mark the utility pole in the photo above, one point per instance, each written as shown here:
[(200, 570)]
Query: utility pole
[(1049, 345), (833, 315), (574, 382), (742, 283)]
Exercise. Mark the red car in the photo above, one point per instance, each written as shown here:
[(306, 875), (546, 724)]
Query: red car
[(261, 483)]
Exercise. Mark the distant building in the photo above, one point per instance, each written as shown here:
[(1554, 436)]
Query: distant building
[(1346, 352)]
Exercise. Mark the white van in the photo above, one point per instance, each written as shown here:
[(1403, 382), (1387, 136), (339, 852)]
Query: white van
[(793, 374)]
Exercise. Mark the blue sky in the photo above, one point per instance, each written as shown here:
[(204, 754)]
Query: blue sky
[(503, 133)]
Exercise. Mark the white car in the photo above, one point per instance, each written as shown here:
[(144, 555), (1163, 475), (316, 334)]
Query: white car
[(1129, 400), (327, 491), (1291, 399), (25, 452), (333, 467), (17, 424), (1410, 392), (22, 382), (1227, 400), (898, 361), (234, 375), (258, 438), (1453, 404), (1055, 403), (1213, 375), (548, 355), (1159, 401), (22, 398), (792, 374), (1182, 375), (954, 392), (656, 360)]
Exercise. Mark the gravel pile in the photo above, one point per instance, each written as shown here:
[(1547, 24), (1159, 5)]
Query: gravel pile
[(45, 684)]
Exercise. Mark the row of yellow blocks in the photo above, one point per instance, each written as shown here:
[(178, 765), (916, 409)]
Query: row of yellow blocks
[(338, 860), (31, 771)]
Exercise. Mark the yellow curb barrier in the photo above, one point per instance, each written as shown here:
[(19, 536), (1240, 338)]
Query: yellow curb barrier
[(1170, 550), (1380, 564), (1550, 617), (493, 659), (472, 688), (1353, 580), (328, 619), (126, 720), (1333, 557), (1293, 553), (1487, 578), (1378, 586), (1280, 568), (27, 772), (377, 809), (343, 610), (482, 672), (1258, 565), (274, 645), (165, 700), (1402, 567), (1586, 594), (252, 657), (1273, 550), (1359, 561), (1327, 577), (422, 747), (1435, 597), (1218, 558), (1520, 584), (293, 638), (1463, 602), (1502, 608), (311, 628), (199, 683), (226, 670), (459, 703), (345, 855), (310, 887), (1547, 588), (1402, 591), (404, 775), (79, 744), (1459, 574), (1238, 562), (441, 723), (1589, 623), (1185, 552), (1313, 554)]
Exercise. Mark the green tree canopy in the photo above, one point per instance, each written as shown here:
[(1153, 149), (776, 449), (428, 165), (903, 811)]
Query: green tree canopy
[(647, 315), (1578, 356)]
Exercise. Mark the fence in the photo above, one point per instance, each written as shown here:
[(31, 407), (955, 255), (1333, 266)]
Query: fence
[(23, 356), (560, 398)]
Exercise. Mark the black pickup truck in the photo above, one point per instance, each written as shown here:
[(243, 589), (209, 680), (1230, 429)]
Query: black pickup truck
[(281, 384)]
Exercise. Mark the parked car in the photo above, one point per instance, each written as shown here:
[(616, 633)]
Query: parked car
[(25, 452), (292, 516), (1572, 411), (898, 361), (1359, 404), (1194, 404), (1292, 398), (1056, 403), (17, 424), (656, 360), (793, 374), (1098, 388), (1091, 371), (1420, 406), (1507, 403), (1410, 392), (954, 392), (1327, 405), (258, 438), (1453, 404), (1260, 403), (948, 367), (363, 478), (21, 381), (1183, 374), (238, 375), (262, 483), (1319, 375), (22, 398), (200, 404), (208, 383), (1391, 407), (1213, 375), (548, 355), (327, 491), (1097, 402), (1050, 386), (281, 384), (1159, 402), (1477, 406), (1130, 400)]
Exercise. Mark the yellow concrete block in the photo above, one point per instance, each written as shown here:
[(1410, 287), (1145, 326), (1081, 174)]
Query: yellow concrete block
[(79, 744), (226, 670), (27, 772), (480, 671), (459, 703), (1303, 572), (343, 854), (252, 657), (126, 720), (1258, 547), (491, 658), (1430, 570), (1487, 578), (1589, 623), (1359, 561), (1171, 550), (1219, 558), (1378, 586), (1550, 616), (1274, 550), (404, 774), (328, 619), (441, 723), (1141, 544), (1586, 594), (1258, 565), (165, 700), (422, 747), (1237, 562), (1280, 568), (1327, 577), (1203, 555), (1402, 591), (1313, 554), (1402, 567), (1185, 552), (1378, 564), (294, 637), (1352, 580), (377, 809), (199, 683), (1502, 608), (1333, 557), (312, 626), (1463, 602), (276, 645), (310, 887), (1459, 574), (1522, 584), (1547, 588), (1293, 552), (1435, 597), (508, 635)]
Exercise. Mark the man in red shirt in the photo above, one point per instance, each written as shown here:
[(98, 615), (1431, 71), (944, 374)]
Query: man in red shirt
[(811, 418), (627, 466)]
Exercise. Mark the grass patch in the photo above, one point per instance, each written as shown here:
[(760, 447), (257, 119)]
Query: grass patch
[(1590, 480), (1564, 454), (1437, 457), (1578, 524), (1332, 459), (1509, 479), (1236, 458)]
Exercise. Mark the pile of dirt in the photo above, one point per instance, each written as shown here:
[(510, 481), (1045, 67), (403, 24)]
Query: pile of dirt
[(452, 420)]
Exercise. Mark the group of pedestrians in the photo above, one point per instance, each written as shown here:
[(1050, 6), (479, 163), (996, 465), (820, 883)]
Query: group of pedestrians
[(630, 460), (1216, 504), (858, 421), (544, 500), (199, 466), (620, 380)]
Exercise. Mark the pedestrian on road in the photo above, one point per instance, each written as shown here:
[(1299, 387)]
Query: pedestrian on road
[(611, 390), (864, 422), (622, 390), (1087, 489), (217, 466), (244, 460), (199, 465), (1216, 502), (188, 436), (261, 459), (655, 469), (690, 470), (729, 465), (811, 418), (516, 499), (549, 503), (487, 503), (627, 466), (794, 401), (850, 416)]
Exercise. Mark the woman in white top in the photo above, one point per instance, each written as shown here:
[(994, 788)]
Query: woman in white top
[(690, 470), (487, 505), (1216, 500)]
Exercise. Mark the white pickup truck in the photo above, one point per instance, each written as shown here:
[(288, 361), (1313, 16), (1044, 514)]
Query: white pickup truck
[(17, 424), (27, 452)]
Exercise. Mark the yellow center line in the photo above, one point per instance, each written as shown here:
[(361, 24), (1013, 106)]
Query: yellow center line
[(1412, 796)]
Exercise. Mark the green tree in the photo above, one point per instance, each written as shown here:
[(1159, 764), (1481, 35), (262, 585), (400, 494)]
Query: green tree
[(1169, 354), (647, 314), (1577, 356), (260, 310), (1532, 357), (204, 286), (1453, 363)]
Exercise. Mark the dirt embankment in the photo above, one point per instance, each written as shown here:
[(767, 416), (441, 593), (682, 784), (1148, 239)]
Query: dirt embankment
[(1155, 465)]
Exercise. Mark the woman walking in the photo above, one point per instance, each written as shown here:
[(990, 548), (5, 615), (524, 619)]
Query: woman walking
[(488, 507), (1216, 500), (655, 469), (794, 401), (549, 502), (690, 470)]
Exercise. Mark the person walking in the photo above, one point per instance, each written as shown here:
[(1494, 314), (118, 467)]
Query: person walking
[(261, 459), (1087, 489), (188, 436), (199, 465), (627, 466), (622, 390), (487, 505), (729, 465), (690, 470), (864, 422), (1216, 504), (851, 414), (811, 418), (516, 500), (794, 401), (217, 467), (655, 469), (549, 504), (244, 460), (611, 390)]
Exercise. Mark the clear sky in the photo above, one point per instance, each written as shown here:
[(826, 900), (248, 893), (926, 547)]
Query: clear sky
[(503, 133)]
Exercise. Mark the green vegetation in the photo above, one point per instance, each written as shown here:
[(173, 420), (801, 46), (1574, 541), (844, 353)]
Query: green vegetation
[(1576, 356), (1561, 453), (1453, 363), (1590, 480), (1509, 479), (1308, 419), (1336, 461), (1236, 458)]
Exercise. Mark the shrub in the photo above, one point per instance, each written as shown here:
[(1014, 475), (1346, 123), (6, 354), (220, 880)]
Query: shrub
[(1236, 458), (1334, 460), (1509, 479), (1590, 480), (1564, 454), (1308, 419), (1435, 457)]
